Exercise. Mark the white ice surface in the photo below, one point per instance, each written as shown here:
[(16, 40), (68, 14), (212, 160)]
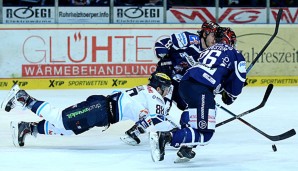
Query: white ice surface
[(234, 147)]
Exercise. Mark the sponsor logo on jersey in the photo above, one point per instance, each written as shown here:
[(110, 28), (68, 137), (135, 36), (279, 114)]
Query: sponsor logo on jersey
[(189, 59), (209, 78), (203, 107), (182, 40), (83, 111), (159, 99), (202, 124)]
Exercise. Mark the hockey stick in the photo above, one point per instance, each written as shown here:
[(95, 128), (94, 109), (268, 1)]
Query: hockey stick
[(270, 86), (269, 41), (282, 136), (265, 98)]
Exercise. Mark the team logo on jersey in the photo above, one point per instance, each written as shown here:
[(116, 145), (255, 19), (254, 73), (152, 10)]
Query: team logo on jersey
[(160, 100), (242, 67), (193, 39)]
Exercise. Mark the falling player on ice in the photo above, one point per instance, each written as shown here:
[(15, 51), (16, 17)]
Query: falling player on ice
[(142, 103)]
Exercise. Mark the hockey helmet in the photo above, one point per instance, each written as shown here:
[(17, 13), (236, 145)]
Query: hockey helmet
[(225, 35), (161, 80), (208, 27)]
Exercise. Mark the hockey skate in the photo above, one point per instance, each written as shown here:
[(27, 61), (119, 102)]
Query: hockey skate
[(15, 95), (158, 141), (19, 131), (185, 154), (131, 136)]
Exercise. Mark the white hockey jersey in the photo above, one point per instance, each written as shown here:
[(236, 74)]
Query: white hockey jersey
[(140, 102)]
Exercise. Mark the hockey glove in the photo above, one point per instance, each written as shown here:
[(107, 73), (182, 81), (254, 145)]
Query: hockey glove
[(227, 98), (165, 65), (143, 124)]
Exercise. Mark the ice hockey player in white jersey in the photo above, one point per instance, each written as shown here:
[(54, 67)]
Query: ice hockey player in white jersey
[(142, 103), (132, 136)]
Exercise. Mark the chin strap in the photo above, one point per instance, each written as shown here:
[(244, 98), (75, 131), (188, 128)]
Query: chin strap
[(205, 38)]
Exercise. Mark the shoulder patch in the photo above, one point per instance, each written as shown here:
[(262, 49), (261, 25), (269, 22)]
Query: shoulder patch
[(193, 39), (242, 67), (149, 88)]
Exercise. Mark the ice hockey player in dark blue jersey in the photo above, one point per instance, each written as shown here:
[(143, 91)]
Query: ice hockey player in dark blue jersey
[(220, 70), (172, 54), (177, 53)]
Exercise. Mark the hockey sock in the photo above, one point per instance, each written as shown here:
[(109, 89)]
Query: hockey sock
[(40, 127)]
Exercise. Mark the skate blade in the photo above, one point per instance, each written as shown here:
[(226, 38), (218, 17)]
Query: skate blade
[(129, 141), (181, 160), (14, 133), (155, 151), (11, 94)]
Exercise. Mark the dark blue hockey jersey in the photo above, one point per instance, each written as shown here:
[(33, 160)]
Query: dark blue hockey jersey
[(175, 48), (219, 67)]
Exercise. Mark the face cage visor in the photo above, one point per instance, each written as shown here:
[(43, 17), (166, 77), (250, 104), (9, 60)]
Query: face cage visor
[(165, 89)]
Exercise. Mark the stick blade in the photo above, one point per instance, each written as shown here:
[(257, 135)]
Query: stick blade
[(267, 93), (283, 136), (262, 104)]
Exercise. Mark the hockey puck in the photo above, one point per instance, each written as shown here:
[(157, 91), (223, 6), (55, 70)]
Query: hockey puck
[(274, 148)]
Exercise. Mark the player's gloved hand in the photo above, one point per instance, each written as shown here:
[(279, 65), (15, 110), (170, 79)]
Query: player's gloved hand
[(177, 77), (165, 65), (143, 123), (227, 98)]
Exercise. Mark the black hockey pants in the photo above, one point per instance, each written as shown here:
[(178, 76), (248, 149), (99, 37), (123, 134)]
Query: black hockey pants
[(87, 114)]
